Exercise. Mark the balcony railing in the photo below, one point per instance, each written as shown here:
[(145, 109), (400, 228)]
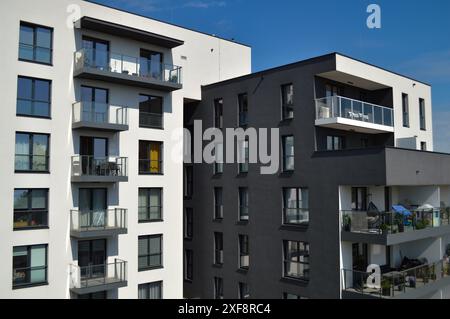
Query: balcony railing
[(148, 166), (94, 220), (394, 283), (338, 106), (86, 165), (127, 65), (391, 222), (98, 275), (99, 113), (153, 120), (29, 276)]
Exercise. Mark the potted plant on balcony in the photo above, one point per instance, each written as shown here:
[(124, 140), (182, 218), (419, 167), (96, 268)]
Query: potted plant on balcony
[(385, 287), (384, 228), (347, 222)]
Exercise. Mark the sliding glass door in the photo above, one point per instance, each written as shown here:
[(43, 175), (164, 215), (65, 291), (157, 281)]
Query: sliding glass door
[(93, 205)]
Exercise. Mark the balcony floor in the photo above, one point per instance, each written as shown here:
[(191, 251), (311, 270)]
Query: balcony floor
[(346, 124), (99, 284)]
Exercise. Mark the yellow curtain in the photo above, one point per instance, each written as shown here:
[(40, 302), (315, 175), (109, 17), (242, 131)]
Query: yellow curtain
[(154, 158)]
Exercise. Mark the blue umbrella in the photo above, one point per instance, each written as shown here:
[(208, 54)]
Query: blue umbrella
[(399, 209)]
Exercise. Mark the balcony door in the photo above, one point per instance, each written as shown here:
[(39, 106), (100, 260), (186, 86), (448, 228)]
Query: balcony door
[(96, 53), (92, 258), (151, 64), (94, 153), (92, 203), (94, 104)]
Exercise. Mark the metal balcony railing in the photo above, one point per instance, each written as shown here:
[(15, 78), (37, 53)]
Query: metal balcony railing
[(94, 220), (99, 113), (86, 165), (98, 275), (153, 120)]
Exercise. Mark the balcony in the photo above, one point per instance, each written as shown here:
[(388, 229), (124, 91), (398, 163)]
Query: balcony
[(391, 228), (94, 278), (99, 116), (151, 120), (126, 70), (409, 283), (90, 169), (352, 115), (99, 223)]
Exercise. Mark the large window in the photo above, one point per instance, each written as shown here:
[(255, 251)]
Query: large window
[(405, 110), (35, 43), (189, 265), (188, 181), (359, 198), (152, 290), (151, 111), (189, 223), (243, 156), (296, 206), (150, 252), (287, 101), (30, 208), (244, 252), (243, 204), (218, 113), (150, 64), (150, 204), (288, 153), (218, 203), (218, 154), (244, 290), (29, 266), (218, 248), (243, 109), (296, 259), (422, 118), (32, 152), (335, 143), (150, 158), (33, 97), (218, 288)]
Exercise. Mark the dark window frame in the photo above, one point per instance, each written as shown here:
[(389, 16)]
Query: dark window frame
[(35, 26), (149, 160), (218, 113), (218, 288), (149, 206), (405, 110), (218, 207), (242, 110), (30, 145), (244, 250), (286, 107), (285, 156), (422, 115), (147, 286), (45, 267), (33, 100), (29, 210), (188, 265), (150, 254), (300, 253), (341, 142), (243, 286), (156, 116), (242, 208), (189, 223), (218, 248), (298, 191), (188, 181)]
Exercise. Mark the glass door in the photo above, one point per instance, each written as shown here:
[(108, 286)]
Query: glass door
[(96, 53), (92, 258), (95, 104), (94, 153), (151, 64), (93, 206)]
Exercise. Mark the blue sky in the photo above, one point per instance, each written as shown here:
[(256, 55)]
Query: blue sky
[(414, 39)]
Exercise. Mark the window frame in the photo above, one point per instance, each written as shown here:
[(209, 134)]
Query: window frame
[(45, 267), (298, 194), (218, 249), (188, 265), (150, 96), (189, 223), (341, 142), (241, 286), (286, 261), (218, 288), (285, 156), (147, 285), (218, 208), (30, 210), (244, 250), (422, 115), (284, 104), (34, 46), (405, 110), (241, 207), (149, 254), (149, 206), (218, 118), (33, 100), (149, 160), (242, 109), (31, 154)]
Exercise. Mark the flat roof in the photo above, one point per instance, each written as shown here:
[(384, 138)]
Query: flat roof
[(169, 23), (301, 62)]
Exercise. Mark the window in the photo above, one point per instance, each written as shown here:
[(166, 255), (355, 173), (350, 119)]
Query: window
[(423, 146), (188, 265), (296, 206), (244, 291), (422, 114), (292, 296), (32, 152), (335, 143), (150, 252), (218, 153), (150, 158), (359, 198), (152, 290), (243, 156), (188, 181), (150, 204), (287, 101), (296, 259), (288, 153), (243, 109), (30, 208), (405, 110), (96, 55), (35, 43), (29, 266), (218, 288), (218, 248), (244, 254), (218, 204), (33, 97), (189, 223), (151, 111), (243, 204), (150, 64), (218, 113)]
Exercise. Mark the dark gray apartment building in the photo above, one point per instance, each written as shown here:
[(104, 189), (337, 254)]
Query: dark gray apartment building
[(358, 207)]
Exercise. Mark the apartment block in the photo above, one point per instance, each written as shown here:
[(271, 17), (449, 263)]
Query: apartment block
[(92, 193), (359, 207)]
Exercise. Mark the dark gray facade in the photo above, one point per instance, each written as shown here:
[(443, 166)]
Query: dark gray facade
[(317, 169)]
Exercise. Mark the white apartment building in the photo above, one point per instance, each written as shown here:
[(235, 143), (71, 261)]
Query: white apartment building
[(91, 192)]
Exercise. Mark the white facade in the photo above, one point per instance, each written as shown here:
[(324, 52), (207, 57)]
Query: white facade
[(204, 59)]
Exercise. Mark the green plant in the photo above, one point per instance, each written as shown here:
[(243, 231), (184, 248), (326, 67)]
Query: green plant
[(447, 269), (384, 227), (385, 287), (347, 222)]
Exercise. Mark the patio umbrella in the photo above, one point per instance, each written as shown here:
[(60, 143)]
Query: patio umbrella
[(399, 209)]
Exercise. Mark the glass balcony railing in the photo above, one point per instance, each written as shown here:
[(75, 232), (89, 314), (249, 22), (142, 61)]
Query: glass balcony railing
[(101, 219), (86, 165), (98, 275), (99, 113), (396, 282), (153, 120), (391, 222), (134, 66), (338, 106)]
